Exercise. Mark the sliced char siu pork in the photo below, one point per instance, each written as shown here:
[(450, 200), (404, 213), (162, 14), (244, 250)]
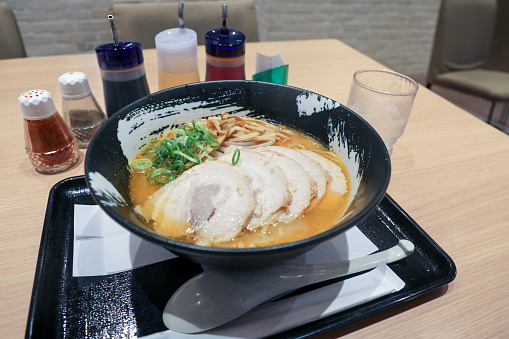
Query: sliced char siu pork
[(319, 175), (214, 201), (269, 184), (299, 183), (337, 178)]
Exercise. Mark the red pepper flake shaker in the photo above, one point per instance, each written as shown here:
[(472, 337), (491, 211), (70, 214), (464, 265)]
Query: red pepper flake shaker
[(49, 142)]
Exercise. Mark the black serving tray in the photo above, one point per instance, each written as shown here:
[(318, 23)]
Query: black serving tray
[(130, 304)]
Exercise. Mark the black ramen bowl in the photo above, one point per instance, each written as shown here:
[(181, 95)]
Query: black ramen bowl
[(122, 136)]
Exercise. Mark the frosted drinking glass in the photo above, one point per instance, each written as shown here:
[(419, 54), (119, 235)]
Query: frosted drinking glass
[(384, 99)]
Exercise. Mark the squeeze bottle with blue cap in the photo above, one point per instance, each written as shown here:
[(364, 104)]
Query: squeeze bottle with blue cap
[(225, 49), (177, 55), (122, 72)]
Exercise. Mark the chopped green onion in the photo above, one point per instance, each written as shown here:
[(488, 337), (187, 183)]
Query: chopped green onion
[(166, 163), (179, 149), (212, 141), (148, 147), (141, 164), (203, 148), (189, 129), (236, 156), (165, 148), (201, 127), (160, 176), (178, 167), (188, 157), (179, 133), (191, 144), (194, 135)]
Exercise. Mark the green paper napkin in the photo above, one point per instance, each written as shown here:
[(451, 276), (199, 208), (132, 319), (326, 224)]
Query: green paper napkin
[(277, 75)]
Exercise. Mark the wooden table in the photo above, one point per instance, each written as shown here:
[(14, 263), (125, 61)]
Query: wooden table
[(450, 173)]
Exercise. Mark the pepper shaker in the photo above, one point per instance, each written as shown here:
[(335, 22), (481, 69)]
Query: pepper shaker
[(79, 107), (225, 53), (49, 142)]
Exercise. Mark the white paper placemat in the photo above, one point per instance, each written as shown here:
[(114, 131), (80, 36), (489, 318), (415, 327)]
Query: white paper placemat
[(103, 247)]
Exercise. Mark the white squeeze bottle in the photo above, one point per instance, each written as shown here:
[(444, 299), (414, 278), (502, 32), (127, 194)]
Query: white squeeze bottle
[(177, 55)]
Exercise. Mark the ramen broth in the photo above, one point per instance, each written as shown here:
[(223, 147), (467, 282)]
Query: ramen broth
[(316, 219)]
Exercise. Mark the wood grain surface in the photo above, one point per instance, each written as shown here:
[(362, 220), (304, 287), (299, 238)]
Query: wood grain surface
[(450, 173)]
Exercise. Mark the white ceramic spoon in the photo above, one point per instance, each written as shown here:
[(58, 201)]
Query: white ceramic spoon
[(217, 296)]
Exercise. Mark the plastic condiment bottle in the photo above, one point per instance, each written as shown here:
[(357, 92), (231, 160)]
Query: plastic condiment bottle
[(225, 49), (122, 71), (177, 55), (79, 107), (49, 142)]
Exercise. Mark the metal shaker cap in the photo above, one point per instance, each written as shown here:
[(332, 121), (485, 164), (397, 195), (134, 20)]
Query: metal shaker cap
[(36, 104), (74, 85)]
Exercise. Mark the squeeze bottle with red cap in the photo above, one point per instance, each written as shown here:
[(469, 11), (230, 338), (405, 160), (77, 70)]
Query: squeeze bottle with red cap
[(225, 49), (49, 142)]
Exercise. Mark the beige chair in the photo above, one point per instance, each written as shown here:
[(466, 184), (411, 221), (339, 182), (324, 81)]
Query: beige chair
[(141, 21), (499, 56), (461, 50), (10, 36)]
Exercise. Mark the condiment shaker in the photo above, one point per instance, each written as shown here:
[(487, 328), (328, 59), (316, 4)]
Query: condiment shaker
[(122, 71), (225, 53), (177, 59), (79, 107), (49, 142)]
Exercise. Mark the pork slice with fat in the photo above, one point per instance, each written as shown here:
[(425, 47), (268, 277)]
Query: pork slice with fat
[(214, 201), (269, 184), (319, 175), (337, 181), (299, 183)]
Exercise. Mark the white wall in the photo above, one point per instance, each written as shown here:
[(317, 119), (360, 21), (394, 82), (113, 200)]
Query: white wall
[(398, 33)]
